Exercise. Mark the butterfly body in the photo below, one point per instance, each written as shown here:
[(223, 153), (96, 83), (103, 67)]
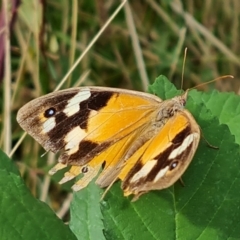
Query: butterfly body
[(145, 142)]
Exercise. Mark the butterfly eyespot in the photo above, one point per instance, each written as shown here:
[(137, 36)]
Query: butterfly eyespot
[(84, 169), (50, 112), (173, 165)]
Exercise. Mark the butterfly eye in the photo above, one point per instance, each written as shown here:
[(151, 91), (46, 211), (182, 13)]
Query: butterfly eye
[(84, 169), (173, 165), (50, 112)]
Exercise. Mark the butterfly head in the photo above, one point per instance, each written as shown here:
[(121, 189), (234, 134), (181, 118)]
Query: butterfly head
[(180, 101)]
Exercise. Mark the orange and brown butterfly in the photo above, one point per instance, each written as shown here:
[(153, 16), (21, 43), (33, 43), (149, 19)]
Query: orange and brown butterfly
[(133, 136)]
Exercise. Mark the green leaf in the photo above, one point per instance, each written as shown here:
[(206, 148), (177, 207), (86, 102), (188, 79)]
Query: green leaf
[(163, 88), (21, 215), (226, 106), (86, 216), (206, 208)]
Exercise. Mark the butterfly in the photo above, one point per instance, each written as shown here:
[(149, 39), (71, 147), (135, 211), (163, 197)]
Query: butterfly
[(115, 134)]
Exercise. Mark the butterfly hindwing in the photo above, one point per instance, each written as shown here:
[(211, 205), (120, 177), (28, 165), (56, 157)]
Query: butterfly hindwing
[(164, 158)]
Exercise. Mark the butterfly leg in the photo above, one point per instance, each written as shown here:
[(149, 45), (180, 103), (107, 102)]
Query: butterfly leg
[(182, 182), (210, 145)]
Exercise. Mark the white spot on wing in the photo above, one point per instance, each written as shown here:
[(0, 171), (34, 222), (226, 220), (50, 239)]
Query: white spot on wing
[(186, 142), (74, 137), (73, 105), (49, 124), (161, 173), (143, 172)]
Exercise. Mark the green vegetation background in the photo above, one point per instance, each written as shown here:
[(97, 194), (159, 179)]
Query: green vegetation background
[(144, 40)]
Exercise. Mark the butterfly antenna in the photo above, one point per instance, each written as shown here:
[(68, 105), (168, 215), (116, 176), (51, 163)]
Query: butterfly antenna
[(183, 67), (214, 80)]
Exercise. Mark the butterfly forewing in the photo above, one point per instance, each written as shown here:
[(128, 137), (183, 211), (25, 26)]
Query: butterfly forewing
[(83, 122)]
